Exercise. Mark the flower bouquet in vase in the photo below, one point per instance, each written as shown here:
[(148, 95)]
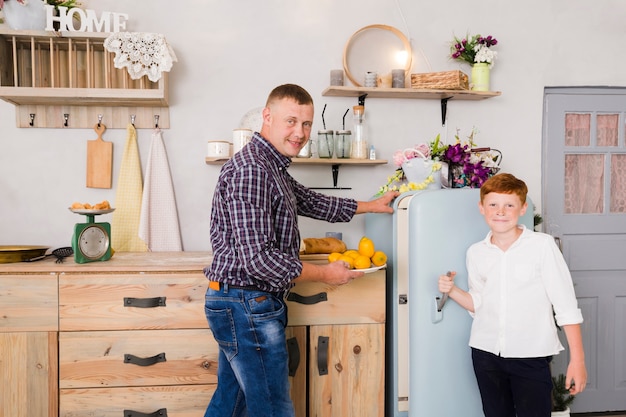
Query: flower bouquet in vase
[(476, 51), (435, 165)]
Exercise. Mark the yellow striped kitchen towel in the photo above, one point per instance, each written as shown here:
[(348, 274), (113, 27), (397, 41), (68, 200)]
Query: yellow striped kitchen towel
[(125, 226)]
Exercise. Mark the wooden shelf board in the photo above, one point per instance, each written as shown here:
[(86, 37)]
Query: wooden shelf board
[(315, 161), (83, 96), (410, 93)]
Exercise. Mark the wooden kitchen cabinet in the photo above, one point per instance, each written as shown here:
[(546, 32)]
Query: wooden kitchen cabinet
[(338, 337), (135, 342), (28, 345), (129, 335)]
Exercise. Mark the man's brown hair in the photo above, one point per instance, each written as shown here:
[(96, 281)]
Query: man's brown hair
[(292, 91)]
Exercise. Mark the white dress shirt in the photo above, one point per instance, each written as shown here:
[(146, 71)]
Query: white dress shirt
[(514, 293)]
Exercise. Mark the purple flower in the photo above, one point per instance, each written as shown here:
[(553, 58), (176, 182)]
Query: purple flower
[(476, 174), (456, 154), (488, 41)]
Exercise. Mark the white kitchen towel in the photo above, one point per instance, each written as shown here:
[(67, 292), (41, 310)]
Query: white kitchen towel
[(125, 225), (159, 226)]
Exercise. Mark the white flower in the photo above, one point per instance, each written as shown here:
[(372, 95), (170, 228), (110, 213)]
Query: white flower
[(484, 54)]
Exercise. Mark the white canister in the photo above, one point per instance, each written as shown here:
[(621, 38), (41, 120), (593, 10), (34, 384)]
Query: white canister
[(219, 149), (241, 137)]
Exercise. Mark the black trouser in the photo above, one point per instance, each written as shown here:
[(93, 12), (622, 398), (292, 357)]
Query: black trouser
[(511, 387)]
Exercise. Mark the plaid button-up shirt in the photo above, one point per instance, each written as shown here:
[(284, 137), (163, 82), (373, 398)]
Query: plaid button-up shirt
[(254, 219)]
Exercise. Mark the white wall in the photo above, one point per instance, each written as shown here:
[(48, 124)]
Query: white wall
[(232, 53)]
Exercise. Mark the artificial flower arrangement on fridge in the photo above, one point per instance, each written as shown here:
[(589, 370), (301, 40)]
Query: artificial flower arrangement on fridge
[(434, 165), (476, 51)]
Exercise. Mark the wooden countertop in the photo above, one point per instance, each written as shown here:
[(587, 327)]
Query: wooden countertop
[(127, 261), (120, 262)]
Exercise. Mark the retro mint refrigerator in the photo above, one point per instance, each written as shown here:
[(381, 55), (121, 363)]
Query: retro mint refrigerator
[(428, 368)]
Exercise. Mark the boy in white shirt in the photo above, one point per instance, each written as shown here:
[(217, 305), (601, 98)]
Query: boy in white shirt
[(519, 284)]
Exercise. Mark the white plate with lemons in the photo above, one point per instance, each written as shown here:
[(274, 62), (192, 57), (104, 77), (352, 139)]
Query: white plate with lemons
[(372, 269)]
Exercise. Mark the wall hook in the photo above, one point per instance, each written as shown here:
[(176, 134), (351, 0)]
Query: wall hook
[(32, 119), (156, 121), (66, 117), (99, 120), (132, 119)]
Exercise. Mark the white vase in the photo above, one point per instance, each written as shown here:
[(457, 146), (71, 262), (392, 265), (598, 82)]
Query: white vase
[(565, 413), (28, 16)]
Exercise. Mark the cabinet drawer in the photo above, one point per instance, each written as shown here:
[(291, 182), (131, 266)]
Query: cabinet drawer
[(28, 303), (119, 301), (138, 357), (179, 401), (360, 301)]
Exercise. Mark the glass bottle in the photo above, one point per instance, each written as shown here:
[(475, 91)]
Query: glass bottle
[(359, 148)]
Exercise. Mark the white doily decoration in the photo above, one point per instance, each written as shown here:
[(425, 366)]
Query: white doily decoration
[(142, 53)]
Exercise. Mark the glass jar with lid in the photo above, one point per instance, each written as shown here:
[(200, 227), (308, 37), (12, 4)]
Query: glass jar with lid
[(343, 142), (325, 143)]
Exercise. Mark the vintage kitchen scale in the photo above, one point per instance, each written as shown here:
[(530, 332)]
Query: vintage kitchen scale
[(91, 241)]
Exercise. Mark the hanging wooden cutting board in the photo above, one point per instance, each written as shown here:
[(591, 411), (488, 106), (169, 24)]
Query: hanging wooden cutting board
[(99, 160)]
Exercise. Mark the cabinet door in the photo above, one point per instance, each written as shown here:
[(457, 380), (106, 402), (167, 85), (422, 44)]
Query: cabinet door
[(297, 346), (347, 370), (29, 303), (28, 374)]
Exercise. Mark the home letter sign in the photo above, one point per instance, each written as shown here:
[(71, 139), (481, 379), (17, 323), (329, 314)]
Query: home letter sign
[(89, 22)]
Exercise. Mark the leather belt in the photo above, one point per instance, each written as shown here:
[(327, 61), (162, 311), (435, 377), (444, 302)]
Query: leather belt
[(218, 286)]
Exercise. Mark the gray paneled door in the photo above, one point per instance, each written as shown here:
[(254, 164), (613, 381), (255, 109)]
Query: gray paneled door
[(584, 208)]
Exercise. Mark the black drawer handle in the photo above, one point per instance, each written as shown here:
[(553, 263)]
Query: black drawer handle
[(308, 300), (158, 413), (294, 355), (144, 302), (322, 355), (136, 360)]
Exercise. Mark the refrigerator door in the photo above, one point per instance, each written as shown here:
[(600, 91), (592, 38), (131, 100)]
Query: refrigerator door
[(442, 225), (429, 369)]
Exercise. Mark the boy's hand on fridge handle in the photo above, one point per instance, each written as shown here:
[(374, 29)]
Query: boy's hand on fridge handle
[(446, 282)]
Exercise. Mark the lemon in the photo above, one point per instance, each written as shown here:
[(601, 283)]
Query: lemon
[(366, 247), (379, 258), (362, 262), (348, 259), (353, 253), (333, 256)]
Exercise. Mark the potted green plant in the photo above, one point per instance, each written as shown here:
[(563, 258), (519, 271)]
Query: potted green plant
[(561, 398)]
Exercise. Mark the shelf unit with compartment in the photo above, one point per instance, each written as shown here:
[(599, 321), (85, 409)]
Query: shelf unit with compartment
[(68, 79)]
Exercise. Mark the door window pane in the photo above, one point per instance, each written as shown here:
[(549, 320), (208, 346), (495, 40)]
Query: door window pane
[(577, 129), (607, 129), (618, 183), (584, 179)]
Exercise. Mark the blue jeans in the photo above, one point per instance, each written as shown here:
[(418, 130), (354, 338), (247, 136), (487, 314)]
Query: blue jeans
[(252, 373), (513, 387)]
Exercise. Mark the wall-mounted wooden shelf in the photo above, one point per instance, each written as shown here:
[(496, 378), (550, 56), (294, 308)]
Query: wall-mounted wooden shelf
[(53, 74), (315, 161), (411, 93), (333, 162)]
